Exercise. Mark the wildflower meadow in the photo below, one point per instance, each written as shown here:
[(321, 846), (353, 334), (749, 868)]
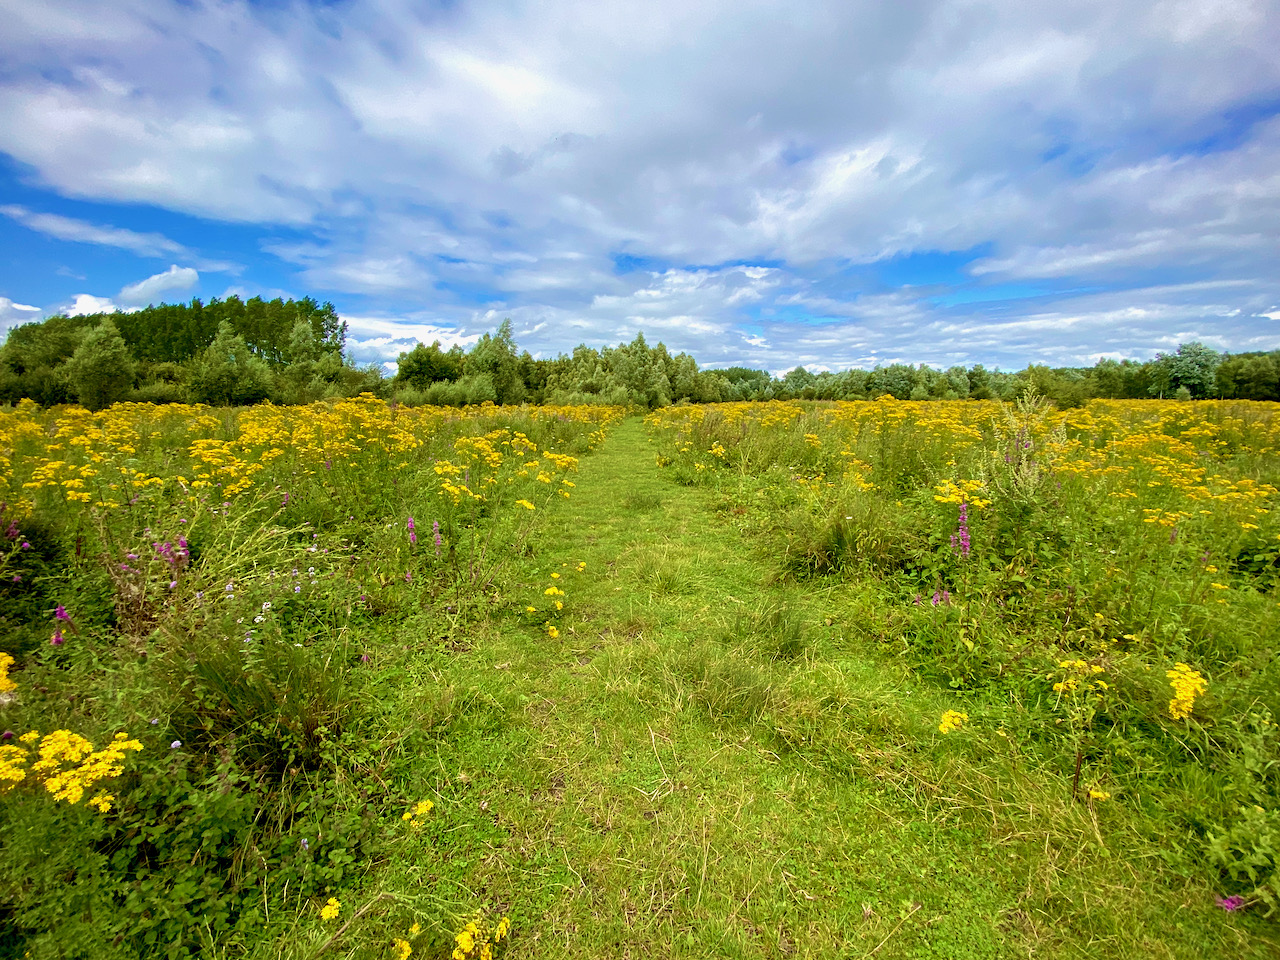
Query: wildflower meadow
[(790, 678)]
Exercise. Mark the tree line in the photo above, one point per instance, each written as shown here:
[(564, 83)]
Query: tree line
[(236, 352)]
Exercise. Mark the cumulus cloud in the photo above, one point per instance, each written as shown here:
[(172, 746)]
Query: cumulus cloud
[(153, 288), (470, 162), (87, 303)]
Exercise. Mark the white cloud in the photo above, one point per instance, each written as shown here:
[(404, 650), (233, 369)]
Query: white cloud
[(14, 314), (86, 303), (152, 289), (478, 161), (143, 244)]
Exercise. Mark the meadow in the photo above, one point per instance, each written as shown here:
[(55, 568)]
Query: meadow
[(785, 679)]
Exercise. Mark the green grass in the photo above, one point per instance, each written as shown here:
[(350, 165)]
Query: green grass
[(710, 761), (721, 754)]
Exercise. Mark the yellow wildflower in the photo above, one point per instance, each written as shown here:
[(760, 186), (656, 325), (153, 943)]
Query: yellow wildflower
[(1187, 684), (402, 949), (330, 910), (952, 720)]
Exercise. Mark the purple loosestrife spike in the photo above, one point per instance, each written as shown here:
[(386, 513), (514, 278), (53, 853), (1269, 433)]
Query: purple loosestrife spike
[(56, 639), (61, 614), (1231, 903)]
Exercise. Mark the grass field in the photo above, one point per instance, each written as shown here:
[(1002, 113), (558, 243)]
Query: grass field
[(733, 680)]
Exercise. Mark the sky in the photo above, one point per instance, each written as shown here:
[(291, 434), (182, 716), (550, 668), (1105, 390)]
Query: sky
[(828, 184)]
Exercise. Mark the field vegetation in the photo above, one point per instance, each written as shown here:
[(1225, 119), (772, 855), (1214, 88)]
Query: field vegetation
[(787, 679)]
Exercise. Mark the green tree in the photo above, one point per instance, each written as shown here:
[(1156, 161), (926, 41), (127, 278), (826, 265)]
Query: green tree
[(101, 370), (228, 373), (494, 358), (1193, 366)]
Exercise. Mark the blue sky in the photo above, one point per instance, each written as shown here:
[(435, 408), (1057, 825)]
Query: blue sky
[(771, 184)]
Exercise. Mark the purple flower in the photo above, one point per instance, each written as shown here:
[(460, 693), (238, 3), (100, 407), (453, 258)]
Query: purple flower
[(26, 545), (154, 721), (17, 578), (364, 658), (1231, 903), (61, 614), (435, 529), (7, 735), (175, 745), (172, 584), (410, 525), (408, 576), (305, 845), (960, 539), (56, 640)]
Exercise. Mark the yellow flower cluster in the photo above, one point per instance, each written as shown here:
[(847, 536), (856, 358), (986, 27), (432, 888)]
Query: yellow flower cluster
[(952, 720), (1187, 684), (964, 491), (476, 941), (417, 812), (66, 764), (101, 459), (6, 683), (331, 909), (1078, 677), (1166, 463)]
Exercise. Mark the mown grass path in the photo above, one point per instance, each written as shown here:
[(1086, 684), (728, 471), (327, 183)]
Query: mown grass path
[(711, 761)]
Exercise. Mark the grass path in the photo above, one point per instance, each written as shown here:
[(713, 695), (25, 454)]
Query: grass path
[(710, 761)]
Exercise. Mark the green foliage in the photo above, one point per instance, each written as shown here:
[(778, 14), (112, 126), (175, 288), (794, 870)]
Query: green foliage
[(1248, 852), (422, 366), (101, 370), (227, 372)]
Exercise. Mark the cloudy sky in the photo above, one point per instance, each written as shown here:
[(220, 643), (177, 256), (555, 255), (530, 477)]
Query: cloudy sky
[(832, 184)]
